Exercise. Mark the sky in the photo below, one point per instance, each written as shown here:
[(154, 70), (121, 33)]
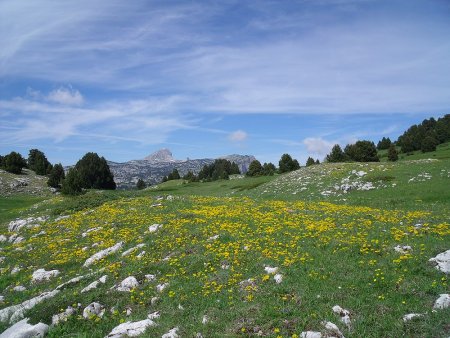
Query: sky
[(211, 78)]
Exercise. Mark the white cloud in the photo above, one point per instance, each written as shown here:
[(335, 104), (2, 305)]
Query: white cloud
[(317, 145), (238, 136), (66, 96)]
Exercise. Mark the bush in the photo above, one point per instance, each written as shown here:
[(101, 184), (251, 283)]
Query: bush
[(287, 164), (14, 162), (94, 172), (56, 176)]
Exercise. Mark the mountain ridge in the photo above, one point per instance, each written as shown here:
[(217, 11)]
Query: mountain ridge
[(155, 166)]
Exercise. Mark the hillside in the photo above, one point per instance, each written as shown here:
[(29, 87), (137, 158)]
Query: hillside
[(345, 244)]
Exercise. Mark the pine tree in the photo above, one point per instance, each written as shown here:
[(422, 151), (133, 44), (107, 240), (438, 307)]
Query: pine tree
[(14, 162), (56, 176), (310, 161), (269, 169), (141, 184), (287, 164), (94, 172), (37, 161), (429, 144), (336, 154), (392, 153), (255, 169), (72, 184)]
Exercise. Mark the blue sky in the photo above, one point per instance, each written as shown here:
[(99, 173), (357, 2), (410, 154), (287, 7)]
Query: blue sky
[(211, 78)]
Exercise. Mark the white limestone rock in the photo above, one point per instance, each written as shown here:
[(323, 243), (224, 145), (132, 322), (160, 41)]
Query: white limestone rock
[(63, 316), (332, 328), (15, 270), (14, 313), (442, 302), (343, 314), (101, 254), (93, 310), (150, 277), (22, 329), (41, 275), (154, 315), (3, 238), (173, 333), (278, 278), (129, 251), (130, 329), (403, 249), (411, 316), (95, 283), (19, 288), (128, 284), (154, 227), (310, 334), (205, 319), (443, 261), (270, 270), (161, 287)]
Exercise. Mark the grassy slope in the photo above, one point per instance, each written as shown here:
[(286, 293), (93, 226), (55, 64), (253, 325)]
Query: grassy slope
[(329, 253)]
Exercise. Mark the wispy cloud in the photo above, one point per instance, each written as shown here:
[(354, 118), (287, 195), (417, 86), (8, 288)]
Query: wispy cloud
[(66, 96), (317, 146), (238, 136), (149, 121)]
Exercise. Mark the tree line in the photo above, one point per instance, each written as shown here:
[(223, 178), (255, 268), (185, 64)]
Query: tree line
[(90, 172)]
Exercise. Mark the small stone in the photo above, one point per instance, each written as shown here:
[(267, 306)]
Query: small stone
[(205, 319), (154, 315), (332, 329), (154, 227), (173, 333), (310, 334), (150, 278), (271, 270), (278, 278), (19, 288), (412, 316), (161, 287), (93, 310), (128, 284)]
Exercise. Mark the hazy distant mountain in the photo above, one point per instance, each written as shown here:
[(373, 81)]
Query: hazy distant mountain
[(159, 164)]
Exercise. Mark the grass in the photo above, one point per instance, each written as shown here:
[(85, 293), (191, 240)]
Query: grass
[(331, 249)]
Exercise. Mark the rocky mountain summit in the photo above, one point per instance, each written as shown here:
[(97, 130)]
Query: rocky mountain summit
[(154, 167)]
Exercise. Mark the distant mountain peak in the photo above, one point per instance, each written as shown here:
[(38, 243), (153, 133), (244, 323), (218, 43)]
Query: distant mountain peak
[(162, 155)]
